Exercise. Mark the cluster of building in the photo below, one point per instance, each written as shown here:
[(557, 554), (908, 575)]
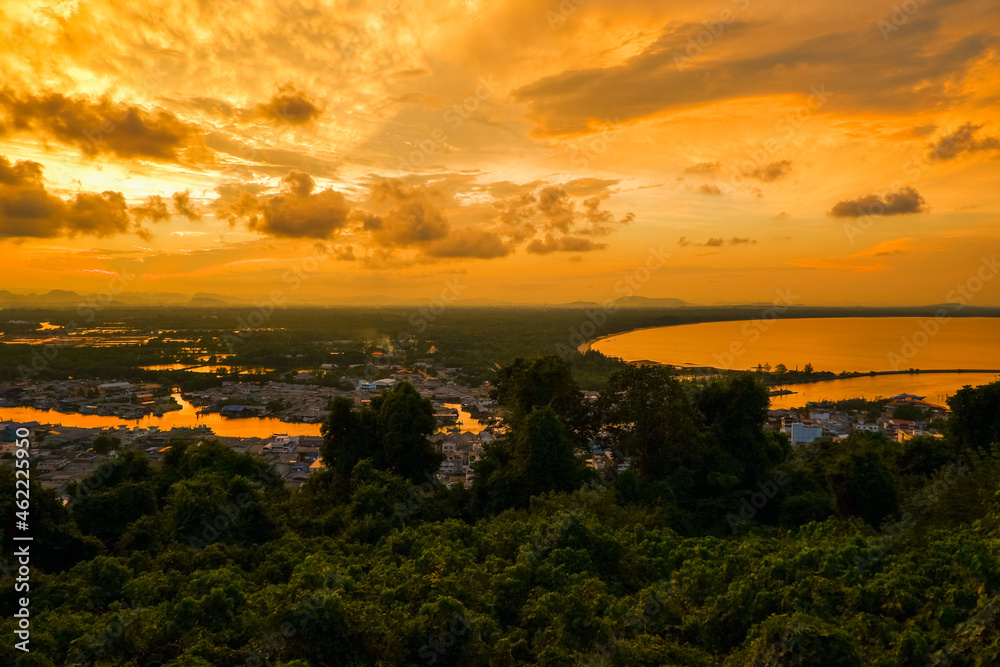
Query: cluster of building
[(301, 402), (62, 454), (826, 422), (126, 400)]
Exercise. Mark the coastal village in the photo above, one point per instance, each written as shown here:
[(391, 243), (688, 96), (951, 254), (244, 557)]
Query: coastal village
[(467, 419)]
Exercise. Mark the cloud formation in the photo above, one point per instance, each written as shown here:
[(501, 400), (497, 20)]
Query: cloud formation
[(770, 172), (552, 244), (716, 242), (962, 140), (28, 210), (99, 126), (297, 211), (907, 200), (554, 210), (289, 106)]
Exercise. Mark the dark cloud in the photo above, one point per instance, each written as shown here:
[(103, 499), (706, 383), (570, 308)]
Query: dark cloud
[(184, 206), (412, 223), (962, 140), (704, 169), (714, 242), (552, 244), (710, 190), (907, 200), (469, 243), (557, 208), (915, 69), (517, 215), (296, 212), (28, 210), (154, 209), (289, 106), (553, 209), (99, 127), (770, 172), (345, 253), (413, 218)]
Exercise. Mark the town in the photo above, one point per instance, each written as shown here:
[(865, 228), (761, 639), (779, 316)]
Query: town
[(65, 453)]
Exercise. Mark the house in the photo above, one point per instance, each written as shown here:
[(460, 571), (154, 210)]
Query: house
[(804, 433), (114, 386), (892, 426)]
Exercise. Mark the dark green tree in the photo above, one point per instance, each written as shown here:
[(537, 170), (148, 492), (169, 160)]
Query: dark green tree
[(860, 476), (544, 381), (405, 419), (545, 458), (349, 436), (392, 432), (735, 411), (975, 416), (650, 420)]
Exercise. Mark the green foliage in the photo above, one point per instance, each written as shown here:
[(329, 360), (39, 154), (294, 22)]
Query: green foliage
[(391, 432), (859, 551), (975, 416), (650, 419), (545, 381), (909, 412)]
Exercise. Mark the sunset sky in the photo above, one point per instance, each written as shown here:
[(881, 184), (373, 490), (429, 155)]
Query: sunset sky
[(534, 151)]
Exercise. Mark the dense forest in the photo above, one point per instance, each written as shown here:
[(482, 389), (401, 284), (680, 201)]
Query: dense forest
[(718, 543)]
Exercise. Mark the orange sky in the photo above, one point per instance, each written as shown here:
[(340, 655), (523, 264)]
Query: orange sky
[(534, 151)]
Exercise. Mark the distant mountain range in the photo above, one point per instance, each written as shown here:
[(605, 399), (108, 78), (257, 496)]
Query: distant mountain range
[(67, 299), (59, 299)]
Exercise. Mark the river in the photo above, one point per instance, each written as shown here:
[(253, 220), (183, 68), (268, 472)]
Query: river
[(188, 416)]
